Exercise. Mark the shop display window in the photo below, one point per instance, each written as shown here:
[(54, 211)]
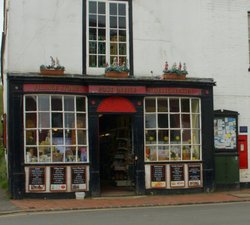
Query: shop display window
[(172, 129), (55, 129)]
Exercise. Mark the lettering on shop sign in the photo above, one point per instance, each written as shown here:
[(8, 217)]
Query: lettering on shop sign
[(117, 89), (54, 88), (58, 178), (78, 178), (177, 175), (194, 175), (174, 91), (158, 176), (36, 178)]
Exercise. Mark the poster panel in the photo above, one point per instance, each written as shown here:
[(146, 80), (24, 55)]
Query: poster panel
[(158, 176), (194, 175), (58, 178), (78, 178), (37, 179), (177, 175)]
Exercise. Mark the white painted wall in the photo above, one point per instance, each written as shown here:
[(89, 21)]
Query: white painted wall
[(210, 36)]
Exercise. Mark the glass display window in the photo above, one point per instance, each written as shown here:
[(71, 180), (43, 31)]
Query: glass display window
[(55, 129), (172, 129)]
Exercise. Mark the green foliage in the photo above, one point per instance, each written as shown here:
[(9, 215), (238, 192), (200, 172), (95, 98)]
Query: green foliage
[(3, 172), (117, 67)]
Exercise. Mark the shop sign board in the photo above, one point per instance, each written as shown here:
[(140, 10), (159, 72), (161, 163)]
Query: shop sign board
[(177, 175), (37, 179), (58, 178), (78, 178), (194, 175), (158, 176)]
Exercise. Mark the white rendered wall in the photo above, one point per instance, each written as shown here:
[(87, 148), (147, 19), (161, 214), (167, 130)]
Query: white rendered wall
[(211, 36)]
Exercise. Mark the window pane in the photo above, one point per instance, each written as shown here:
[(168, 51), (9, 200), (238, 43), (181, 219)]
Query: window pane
[(122, 22), (196, 136), (185, 105), (113, 9), (195, 106), (92, 61), (175, 121), (163, 136), (44, 137), (195, 121), (58, 154), (92, 7), (185, 120), (31, 137), (57, 120), (57, 137), (43, 103), (101, 34), (101, 21), (150, 121), (92, 20), (163, 120), (101, 61), (150, 105), (44, 154), (81, 120), (70, 154), (31, 155), (113, 49), (122, 36), (196, 153), (82, 154), (186, 152), (186, 136), (80, 104), (101, 48), (92, 47), (175, 136), (174, 105), (69, 104), (44, 120), (31, 120), (113, 35), (162, 105), (113, 22), (122, 9), (101, 8), (30, 103), (163, 153), (56, 103), (69, 120), (150, 137), (175, 152), (122, 49), (150, 153), (81, 137), (70, 137)]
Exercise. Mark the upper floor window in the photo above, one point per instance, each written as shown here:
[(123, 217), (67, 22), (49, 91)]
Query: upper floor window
[(107, 33)]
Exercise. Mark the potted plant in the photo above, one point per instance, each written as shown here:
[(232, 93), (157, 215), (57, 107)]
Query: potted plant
[(178, 73), (117, 70), (53, 69)]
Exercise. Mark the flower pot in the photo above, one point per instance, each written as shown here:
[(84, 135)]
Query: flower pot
[(114, 74), (51, 72), (173, 76)]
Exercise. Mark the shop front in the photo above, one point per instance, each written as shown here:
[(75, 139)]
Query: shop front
[(102, 135)]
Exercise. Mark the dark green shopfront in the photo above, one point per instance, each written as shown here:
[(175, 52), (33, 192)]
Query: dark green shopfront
[(103, 136)]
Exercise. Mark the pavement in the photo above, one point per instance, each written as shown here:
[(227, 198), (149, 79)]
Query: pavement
[(9, 206)]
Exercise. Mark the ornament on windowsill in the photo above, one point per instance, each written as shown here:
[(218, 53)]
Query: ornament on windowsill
[(53, 69), (175, 73)]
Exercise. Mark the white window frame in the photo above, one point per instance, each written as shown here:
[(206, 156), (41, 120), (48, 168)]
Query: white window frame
[(248, 16), (96, 70), (168, 144), (50, 128)]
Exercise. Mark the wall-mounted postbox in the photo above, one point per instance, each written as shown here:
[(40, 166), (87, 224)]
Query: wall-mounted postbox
[(243, 151)]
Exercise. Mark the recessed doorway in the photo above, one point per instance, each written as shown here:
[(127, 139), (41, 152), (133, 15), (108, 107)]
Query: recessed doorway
[(116, 154)]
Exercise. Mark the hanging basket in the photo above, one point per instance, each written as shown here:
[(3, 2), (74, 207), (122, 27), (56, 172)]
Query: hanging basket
[(114, 74), (51, 72), (173, 76)]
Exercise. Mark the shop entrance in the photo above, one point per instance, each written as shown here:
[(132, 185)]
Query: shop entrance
[(116, 154)]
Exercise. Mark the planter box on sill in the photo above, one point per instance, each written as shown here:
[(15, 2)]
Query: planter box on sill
[(114, 74)]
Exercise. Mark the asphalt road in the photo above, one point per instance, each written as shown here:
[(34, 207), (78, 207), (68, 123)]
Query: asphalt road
[(213, 214)]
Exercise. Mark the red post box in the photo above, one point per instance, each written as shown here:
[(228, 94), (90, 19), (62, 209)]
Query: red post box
[(243, 151)]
